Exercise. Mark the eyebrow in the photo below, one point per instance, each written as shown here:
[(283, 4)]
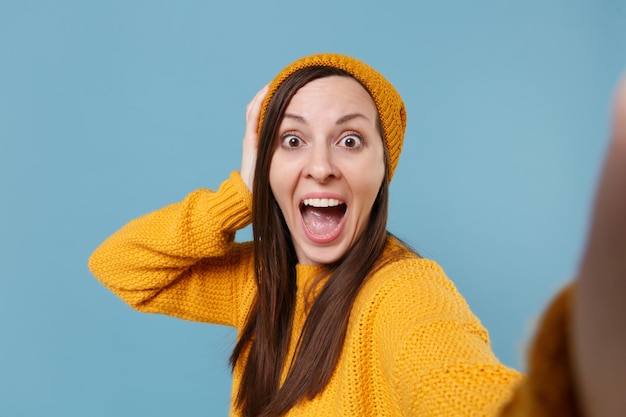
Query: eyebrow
[(348, 117), (294, 117), (343, 119)]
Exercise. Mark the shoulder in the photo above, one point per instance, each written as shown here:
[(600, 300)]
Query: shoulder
[(403, 277), (411, 291)]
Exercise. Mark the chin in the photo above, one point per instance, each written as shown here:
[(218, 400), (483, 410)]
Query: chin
[(323, 256)]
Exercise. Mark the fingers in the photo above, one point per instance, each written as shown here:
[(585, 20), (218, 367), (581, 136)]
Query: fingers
[(608, 227), (599, 313), (253, 113), (251, 137)]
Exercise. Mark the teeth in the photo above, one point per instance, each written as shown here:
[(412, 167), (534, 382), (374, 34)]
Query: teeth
[(322, 202)]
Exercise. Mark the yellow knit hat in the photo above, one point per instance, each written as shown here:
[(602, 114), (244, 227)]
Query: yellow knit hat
[(388, 102)]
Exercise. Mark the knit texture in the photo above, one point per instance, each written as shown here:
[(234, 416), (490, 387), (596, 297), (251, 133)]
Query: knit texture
[(550, 389), (412, 348), (387, 99)]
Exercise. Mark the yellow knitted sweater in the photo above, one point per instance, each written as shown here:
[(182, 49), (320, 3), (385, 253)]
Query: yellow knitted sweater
[(412, 347)]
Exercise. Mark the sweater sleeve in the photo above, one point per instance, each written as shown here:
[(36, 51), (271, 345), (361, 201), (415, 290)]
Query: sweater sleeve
[(182, 260), (439, 360), (549, 390)]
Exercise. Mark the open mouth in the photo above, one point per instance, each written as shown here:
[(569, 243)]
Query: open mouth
[(322, 217)]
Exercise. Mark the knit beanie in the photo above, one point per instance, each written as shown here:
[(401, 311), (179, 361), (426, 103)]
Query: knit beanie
[(388, 102)]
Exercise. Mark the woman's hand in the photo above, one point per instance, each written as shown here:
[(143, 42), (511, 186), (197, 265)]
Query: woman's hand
[(251, 137), (599, 321)]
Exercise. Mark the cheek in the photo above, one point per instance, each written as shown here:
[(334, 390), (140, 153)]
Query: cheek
[(377, 160), (371, 192), (371, 181), (279, 182), (375, 173)]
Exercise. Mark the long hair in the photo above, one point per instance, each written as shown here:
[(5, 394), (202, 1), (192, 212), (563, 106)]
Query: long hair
[(266, 335)]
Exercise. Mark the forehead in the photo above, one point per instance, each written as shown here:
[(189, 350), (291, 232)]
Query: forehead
[(333, 93)]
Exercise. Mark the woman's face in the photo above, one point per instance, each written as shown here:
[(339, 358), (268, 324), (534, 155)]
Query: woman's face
[(328, 166)]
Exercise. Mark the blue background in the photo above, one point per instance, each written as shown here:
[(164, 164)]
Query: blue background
[(112, 109)]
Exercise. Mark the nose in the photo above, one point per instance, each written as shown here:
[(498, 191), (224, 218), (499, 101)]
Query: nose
[(320, 165)]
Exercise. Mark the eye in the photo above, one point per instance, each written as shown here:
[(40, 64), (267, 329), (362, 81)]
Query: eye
[(291, 141), (351, 141)]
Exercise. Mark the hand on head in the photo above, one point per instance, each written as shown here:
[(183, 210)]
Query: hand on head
[(251, 137)]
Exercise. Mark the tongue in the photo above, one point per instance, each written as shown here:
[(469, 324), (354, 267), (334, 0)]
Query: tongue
[(322, 221)]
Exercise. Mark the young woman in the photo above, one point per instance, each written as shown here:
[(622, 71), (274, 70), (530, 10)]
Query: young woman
[(336, 317)]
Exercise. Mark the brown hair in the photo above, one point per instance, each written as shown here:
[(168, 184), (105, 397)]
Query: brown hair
[(266, 335)]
